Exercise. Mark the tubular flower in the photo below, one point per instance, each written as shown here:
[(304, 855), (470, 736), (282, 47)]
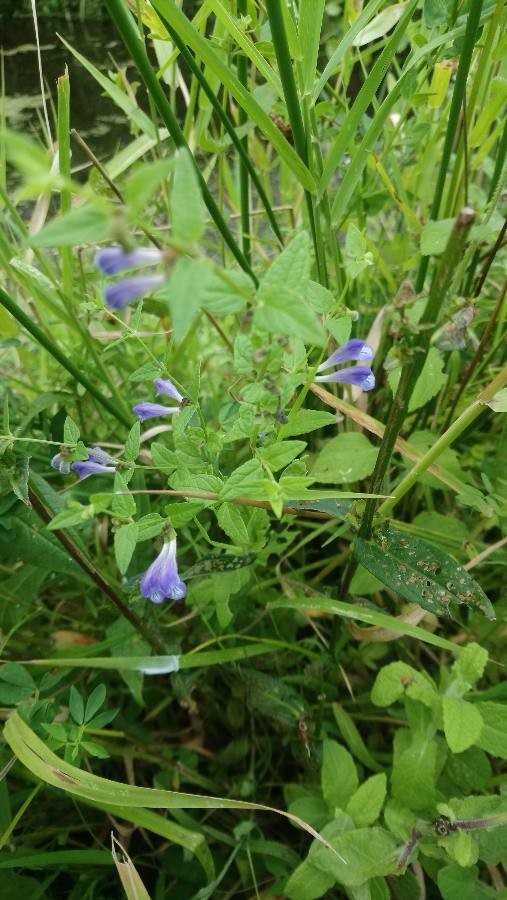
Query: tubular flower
[(98, 463), (60, 463), (354, 349), (118, 295), (152, 410), (360, 376), (162, 581), (166, 387), (112, 260)]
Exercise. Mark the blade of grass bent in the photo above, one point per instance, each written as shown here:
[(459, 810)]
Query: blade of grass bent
[(36, 756)]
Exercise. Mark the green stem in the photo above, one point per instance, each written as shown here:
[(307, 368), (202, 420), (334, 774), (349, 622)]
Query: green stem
[(444, 441), (40, 336), (126, 26), (63, 90), (281, 45), (244, 184), (413, 367), (93, 573), (458, 96)]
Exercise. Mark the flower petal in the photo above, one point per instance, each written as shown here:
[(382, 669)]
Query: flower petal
[(112, 260), (361, 376), (82, 468), (152, 410), (161, 580), (166, 387), (354, 349), (118, 295)]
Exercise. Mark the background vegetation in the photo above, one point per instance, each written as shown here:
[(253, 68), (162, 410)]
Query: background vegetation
[(324, 714)]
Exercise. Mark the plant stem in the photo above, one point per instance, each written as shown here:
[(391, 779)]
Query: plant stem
[(281, 45), (413, 367), (63, 89), (93, 573), (458, 96), (49, 345), (126, 26), (244, 184), (445, 440)]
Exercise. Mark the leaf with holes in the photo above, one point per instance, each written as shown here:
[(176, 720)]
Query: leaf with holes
[(421, 573)]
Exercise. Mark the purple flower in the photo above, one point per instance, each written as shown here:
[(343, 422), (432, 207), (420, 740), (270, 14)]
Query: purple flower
[(354, 349), (88, 467), (115, 259), (99, 462), (161, 581), (60, 463), (167, 388), (361, 376), (152, 410), (118, 295), (98, 455)]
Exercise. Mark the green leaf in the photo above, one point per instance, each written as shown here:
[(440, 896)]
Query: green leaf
[(307, 882), (339, 775), (455, 882), (380, 25), (345, 458), (365, 853), (305, 420), (185, 293), (366, 803), (493, 737), (462, 723), (469, 667), (414, 772), (76, 705), (229, 294), (94, 702), (499, 402), (280, 454), (248, 480), (187, 206), (357, 255), (150, 526), (230, 518), (353, 739), (125, 540), (397, 679), (74, 514), (123, 503), (435, 236), (71, 433), (83, 225), (132, 444), (427, 386), (421, 573), (143, 182), (35, 544)]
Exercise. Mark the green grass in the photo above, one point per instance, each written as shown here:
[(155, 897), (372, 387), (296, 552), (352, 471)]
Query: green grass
[(323, 714)]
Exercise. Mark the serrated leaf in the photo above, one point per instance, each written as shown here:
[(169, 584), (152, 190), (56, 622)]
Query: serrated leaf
[(185, 293), (339, 778), (305, 420), (421, 573), (74, 514), (231, 521), (435, 236), (123, 503), (125, 540), (248, 480), (280, 454), (144, 181), (345, 458), (71, 433), (83, 225), (132, 444), (427, 386)]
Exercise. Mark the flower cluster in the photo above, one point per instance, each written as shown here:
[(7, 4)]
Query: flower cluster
[(360, 376), (162, 581), (115, 259), (98, 463), (153, 410)]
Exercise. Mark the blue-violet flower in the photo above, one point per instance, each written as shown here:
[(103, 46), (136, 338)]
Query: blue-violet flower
[(112, 260), (360, 376), (60, 463), (166, 387), (152, 410), (162, 581), (118, 295), (354, 349)]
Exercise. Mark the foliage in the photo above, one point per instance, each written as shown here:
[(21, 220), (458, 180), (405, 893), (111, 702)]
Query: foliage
[(259, 635)]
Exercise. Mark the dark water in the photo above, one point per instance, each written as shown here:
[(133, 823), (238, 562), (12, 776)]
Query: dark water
[(103, 126)]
